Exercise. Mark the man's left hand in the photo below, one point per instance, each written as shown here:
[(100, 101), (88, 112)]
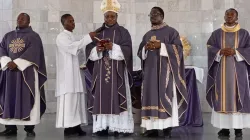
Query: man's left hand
[(108, 46), (152, 45)]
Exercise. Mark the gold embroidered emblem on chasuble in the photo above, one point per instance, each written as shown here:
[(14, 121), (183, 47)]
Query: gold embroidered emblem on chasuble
[(17, 45)]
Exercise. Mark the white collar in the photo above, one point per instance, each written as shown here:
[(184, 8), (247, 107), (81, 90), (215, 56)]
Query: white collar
[(230, 26), (68, 32)]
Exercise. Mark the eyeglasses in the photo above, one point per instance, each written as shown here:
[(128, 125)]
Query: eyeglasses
[(154, 14), (110, 16)]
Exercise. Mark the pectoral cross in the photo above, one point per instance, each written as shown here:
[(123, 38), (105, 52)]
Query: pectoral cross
[(153, 39)]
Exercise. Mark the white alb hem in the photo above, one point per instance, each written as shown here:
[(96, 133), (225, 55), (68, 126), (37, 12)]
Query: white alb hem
[(71, 110), (230, 121), (122, 123), (161, 124), (35, 112)]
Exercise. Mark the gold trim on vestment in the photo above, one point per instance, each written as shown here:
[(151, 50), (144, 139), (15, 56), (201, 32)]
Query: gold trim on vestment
[(159, 86), (168, 100), (234, 29), (148, 118), (223, 77), (223, 70), (38, 78), (236, 46), (181, 102), (164, 108), (112, 92), (216, 93), (100, 87), (209, 46), (235, 73), (38, 72), (231, 112), (179, 62), (153, 108), (168, 75), (176, 84), (93, 87)]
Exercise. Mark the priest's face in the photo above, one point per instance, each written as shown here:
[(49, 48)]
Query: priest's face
[(69, 24), (23, 21), (156, 17), (231, 17), (110, 18)]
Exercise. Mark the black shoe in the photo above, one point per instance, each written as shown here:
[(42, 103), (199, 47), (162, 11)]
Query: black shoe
[(103, 133), (79, 131), (31, 134), (8, 132), (167, 133), (224, 133), (126, 134), (116, 134), (238, 133), (69, 132), (150, 133)]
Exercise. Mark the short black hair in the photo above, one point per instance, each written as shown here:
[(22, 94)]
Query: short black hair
[(64, 17), (160, 10), (28, 17), (232, 9)]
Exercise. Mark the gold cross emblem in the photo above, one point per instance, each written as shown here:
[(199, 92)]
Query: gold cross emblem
[(153, 39)]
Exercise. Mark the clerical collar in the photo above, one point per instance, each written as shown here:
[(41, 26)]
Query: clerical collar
[(106, 26), (155, 27), (234, 28), (23, 30)]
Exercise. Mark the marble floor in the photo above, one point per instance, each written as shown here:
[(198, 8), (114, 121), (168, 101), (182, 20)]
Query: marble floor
[(47, 131)]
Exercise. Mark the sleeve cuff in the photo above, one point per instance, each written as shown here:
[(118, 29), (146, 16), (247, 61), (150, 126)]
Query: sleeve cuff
[(22, 64), (163, 50), (82, 66), (87, 39), (94, 55), (144, 53), (238, 56), (218, 57), (4, 61), (116, 53)]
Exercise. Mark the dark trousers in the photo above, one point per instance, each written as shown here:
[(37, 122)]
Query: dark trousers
[(27, 128)]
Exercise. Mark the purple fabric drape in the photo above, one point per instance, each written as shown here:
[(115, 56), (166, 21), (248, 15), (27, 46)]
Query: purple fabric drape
[(193, 116)]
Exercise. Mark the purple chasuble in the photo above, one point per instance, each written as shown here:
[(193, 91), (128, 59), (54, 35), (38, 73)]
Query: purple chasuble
[(160, 72), (108, 89), (17, 88), (228, 80)]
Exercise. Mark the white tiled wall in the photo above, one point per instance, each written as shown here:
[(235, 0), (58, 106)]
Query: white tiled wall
[(195, 19)]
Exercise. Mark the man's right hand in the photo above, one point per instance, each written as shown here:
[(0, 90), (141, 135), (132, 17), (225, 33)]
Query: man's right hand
[(11, 65), (92, 34)]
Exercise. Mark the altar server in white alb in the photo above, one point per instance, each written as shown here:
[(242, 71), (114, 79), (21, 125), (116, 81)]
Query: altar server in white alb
[(70, 93)]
